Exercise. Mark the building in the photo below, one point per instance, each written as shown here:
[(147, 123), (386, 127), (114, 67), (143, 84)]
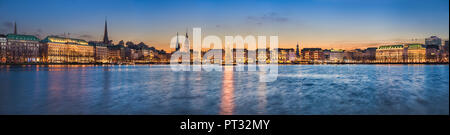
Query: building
[(369, 54), (22, 49), (336, 56), (260, 55), (240, 58), (433, 45), (312, 54), (326, 54), (432, 53), (148, 54), (101, 53), (390, 54), (116, 53), (445, 52), (67, 50), (415, 53), (286, 55), (3, 43), (131, 54), (433, 40), (355, 55)]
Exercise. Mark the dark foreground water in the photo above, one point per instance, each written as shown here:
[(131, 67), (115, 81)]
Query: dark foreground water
[(155, 89)]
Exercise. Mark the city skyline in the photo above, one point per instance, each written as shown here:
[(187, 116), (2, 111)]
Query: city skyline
[(324, 24)]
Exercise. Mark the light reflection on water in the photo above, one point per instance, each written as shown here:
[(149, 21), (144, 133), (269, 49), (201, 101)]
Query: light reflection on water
[(227, 104), (155, 89)]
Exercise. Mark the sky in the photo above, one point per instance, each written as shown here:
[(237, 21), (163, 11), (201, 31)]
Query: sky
[(339, 24)]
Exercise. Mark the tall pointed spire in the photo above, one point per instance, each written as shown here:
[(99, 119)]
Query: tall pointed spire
[(15, 28), (297, 52), (105, 35), (185, 47), (177, 46), (187, 33)]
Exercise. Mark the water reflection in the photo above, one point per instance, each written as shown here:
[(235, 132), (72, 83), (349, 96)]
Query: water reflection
[(299, 89), (262, 98), (227, 101)]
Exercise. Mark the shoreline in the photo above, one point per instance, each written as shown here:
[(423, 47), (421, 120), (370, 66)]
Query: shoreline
[(167, 63)]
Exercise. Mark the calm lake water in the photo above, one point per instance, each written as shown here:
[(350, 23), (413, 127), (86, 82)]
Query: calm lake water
[(155, 89)]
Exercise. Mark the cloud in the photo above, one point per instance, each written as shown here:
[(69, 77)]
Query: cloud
[(268, 17), (86, 36)]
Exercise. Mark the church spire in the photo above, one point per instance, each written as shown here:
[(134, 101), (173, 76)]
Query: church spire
[(15, 28), (187, 33), (105, 35), (297, 52), (177, 46)]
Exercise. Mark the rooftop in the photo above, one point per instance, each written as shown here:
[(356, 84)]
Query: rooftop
[(311, 49), (337, 50), (387, 47), (21, 37), (56, 39), (415, 46), (97, 43)]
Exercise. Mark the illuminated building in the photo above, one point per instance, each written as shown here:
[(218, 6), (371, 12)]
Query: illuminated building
[(354, 55), (251, 56), (312, 54), (445, 52), (146, 55), (286, 55), (3, 43), (22, 49), (116, 53), (336, 55), (131, 54), (240, 58), (415, 53), (67, 50), (369, 54), (326, 54), (101, 54), (292, 56), (432, 53), (263, 55), (433, 45), (390, 53)]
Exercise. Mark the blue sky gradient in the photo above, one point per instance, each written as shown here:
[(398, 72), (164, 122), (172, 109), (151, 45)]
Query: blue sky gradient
[(314, 23)]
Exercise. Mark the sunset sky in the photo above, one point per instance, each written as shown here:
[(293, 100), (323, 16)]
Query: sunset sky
[(342, 24)]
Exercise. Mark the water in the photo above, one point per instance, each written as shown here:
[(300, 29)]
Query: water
[(155, 89)]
